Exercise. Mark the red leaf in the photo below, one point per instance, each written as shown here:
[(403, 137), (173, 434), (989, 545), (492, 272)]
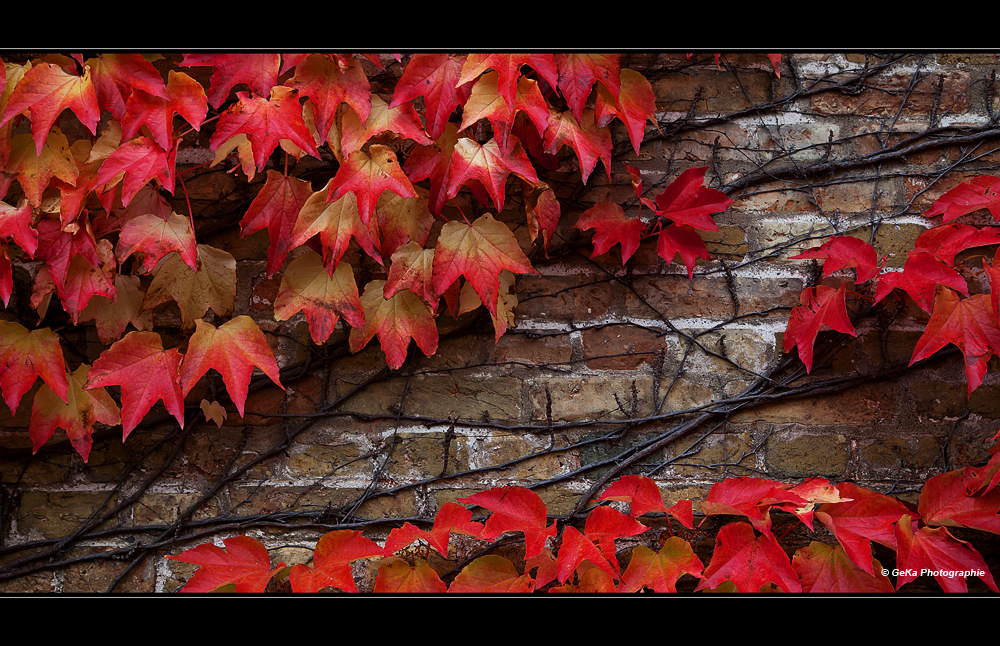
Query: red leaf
[(750, 497), (920, 277), (579, 72), (276, 208), (946, 241), (577, 548), (402, 120), (434, 77), (15, 224), (26, 355), (307, 287), (450, 518), (969, 323), (395, 320), (682, 240), (367, 177), (818, 306), (244, 563), (635, 105), (611, 227), (642, 494), (508, 70), (116, 76), (332, 562), (978, 193), (259, 71), (825, 568), (947, 499), (328, 85), (183, 96), (76, 415), (233, 349), (491, 574), (45, 91), (587, 140), (478, 251), (749, 561), (146, 373), (155, 237), (140, 160), (660, 570), (485, 102), (265, 122), (687, 201), (845, 251), (935, 551), (515, 509), (487, 164), (604, 526), (336, 223)]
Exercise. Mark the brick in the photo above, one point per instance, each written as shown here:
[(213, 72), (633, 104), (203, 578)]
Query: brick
[(856, 407), (58, 513), (715, 90), (898, 456), (441, 397), (795, 454), (586, 397), (888, 97), (621, 347), (476, 452), (718, 451)]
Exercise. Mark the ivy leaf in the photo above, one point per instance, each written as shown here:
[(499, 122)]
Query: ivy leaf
[(515, 509), (36, 170), (395, 321), (485, 102), (336, 223), (146, 373), (233, 349), (139, 160), (491, 574), (76, 413), (368, 176), (935, 550), (212, 286), (508, 70), (920, 277), (968, 323), (818, 306), (577, 548), (397, 576), (749, 561), (611, 227), (635, 105), (45, 91), (750, 497), (682, 240), (15, 225), (402, 120), (307, 287), (452, 517), (183, 95), (978, 193), (845, 251), (276, 208), (259, 71), (604, 526), (26, 355), (580, 133), (687, 201), (579, 72), (488, 165), (946, 241), (244, 563), (435, 78), (412, 269), (659, 571), (332, 558), (155, 237), (328, 84), (827, 569), (117, 76), (478, 251), (265, 122), (945, 499)]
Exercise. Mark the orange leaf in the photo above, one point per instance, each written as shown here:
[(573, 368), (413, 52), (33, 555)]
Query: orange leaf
[(244, 563)]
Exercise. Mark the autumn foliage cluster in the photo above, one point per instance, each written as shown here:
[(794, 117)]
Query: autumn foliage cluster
[(419, 167)]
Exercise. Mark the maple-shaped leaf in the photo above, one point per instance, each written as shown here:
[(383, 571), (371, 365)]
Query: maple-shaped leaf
[(660, 570), (75, 414), (6, 274), (259, 71), (402, 120), (921, 275), (45, 91), (155, 237), (478, 251), (276, 208), (946, 241), (485, 102), (452, 517), (968, 323), (182, 95), (395, 321), (815, 491), (508, 70), (611, 226), (468, 300), (487, 165), (818, 306), (233, 349), (686, 200), (682, 240), (265, 122), (750, 497), (827, 569), (57, 247), (635, 105), (579, 72), (576, 548), (16, 225), (146, 373), (845, 251), (515, 509), (749, 561), (26, 355), (119, 76), (397, 576), (211, 287), (977, 193), (137, 162), (367, 176), (243, 563), (402, 219), (336, 223), (950, 499), (936, 551), (332, 558), (543, 211), (491, 574), (582, 134), (604, 526), (328, 84), (307, 287), (35, 171), (412, 268), (866, 516), (435, 78), (84, 280), (589, 580)]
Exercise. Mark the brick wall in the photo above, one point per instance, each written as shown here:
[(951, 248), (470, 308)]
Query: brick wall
[(634, 368)]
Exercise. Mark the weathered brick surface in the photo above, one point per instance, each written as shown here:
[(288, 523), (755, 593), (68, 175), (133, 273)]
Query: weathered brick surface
[(601, 360)]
